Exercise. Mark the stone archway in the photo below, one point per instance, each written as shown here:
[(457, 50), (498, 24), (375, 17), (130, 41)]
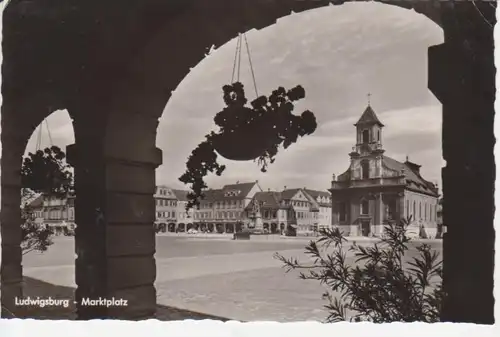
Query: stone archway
[(116, 98)]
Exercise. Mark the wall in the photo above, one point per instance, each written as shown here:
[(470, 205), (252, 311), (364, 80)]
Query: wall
[(425, 211)]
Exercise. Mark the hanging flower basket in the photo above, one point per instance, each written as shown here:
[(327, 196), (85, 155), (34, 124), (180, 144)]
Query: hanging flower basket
[(247, 133), (252, 132), (46, 172), (245, 143)]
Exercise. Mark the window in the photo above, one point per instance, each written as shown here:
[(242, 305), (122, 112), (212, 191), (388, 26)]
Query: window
[(414, 210), (365, 169), (407, 207), (420, 210), (365, 207), (366, 136), (342, 211), (173, 214)]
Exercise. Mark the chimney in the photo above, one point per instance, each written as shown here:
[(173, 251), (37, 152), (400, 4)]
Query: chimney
[(284, 187)]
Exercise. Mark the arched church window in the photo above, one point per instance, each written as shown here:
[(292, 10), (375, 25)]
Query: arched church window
[(366, 136), (378, 135), (365, 169), (365, 207)]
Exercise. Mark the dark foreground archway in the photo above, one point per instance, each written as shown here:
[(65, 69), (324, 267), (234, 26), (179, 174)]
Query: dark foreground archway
[(114, 68)]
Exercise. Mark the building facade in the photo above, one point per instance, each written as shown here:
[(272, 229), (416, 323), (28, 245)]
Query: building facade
[(223, 210), (55, 213), (376, 188), (294, 211), (166, 208)]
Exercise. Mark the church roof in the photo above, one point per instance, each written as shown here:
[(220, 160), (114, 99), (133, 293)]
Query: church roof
[(368, 117), (413, 178)]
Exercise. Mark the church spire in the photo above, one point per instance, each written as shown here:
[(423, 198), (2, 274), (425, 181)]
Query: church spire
[(369, 118)]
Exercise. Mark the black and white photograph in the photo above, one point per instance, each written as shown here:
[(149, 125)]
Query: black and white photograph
[(248, 160)]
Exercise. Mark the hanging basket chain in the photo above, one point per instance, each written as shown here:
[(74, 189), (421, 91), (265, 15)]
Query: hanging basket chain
[(251, 66), (239, 58), (48, 131), (39, 135), (238, 45), (39, 138), (237, 61)]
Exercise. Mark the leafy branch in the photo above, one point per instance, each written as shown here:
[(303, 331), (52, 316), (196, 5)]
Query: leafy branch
[(381, 285)]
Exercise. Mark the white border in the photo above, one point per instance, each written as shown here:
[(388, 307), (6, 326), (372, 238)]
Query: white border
[(206, 328)]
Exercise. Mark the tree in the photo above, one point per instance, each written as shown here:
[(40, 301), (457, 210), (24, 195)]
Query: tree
[(383, 285), (43, 174), (47, 172)]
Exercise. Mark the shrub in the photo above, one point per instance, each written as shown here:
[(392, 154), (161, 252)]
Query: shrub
[(380, 286)]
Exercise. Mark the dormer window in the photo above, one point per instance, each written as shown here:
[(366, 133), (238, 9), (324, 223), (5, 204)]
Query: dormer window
[(232, 193)]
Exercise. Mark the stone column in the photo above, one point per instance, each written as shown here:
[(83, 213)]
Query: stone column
[(115, 160), (115, 238), (13, 146), (400, 204), (462, 76), (379, 205), (353, 216)]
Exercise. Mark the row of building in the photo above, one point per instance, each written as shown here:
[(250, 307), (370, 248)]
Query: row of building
[(245, 205), (375, 189), (225, 210)]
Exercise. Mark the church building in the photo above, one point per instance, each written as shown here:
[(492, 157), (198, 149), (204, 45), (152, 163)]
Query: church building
[(377, 188)]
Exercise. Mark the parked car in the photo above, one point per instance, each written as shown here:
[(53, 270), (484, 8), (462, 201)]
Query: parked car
[(192, 231)]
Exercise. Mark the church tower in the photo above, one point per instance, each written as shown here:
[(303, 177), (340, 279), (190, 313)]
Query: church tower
[(366, 155)]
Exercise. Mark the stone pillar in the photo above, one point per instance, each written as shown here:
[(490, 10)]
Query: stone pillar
[(462, 76), (115, 160), (400, 204), (379, 206), (13, 146), (353, 216), (115, 237)]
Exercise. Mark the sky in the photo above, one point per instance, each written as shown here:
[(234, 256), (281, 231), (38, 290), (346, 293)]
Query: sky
[(339, 54)]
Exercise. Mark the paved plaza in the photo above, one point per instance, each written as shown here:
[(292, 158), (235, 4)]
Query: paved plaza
[(234, 279)]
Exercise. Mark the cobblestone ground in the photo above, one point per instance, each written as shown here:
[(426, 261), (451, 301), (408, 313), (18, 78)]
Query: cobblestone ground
[(235, 279)]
